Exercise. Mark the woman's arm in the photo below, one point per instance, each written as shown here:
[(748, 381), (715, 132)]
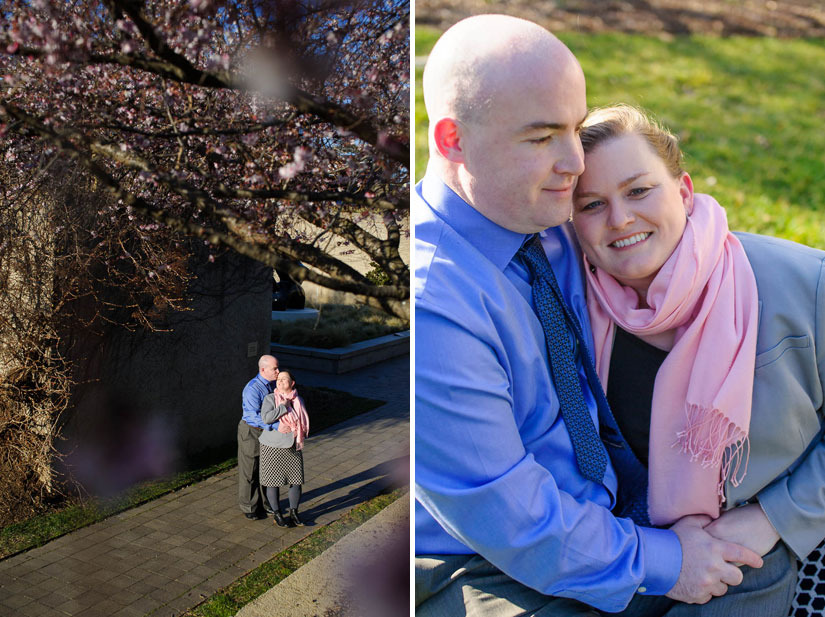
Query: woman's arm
[(793, 506), (747, 526), (795, 503), (270, 412)]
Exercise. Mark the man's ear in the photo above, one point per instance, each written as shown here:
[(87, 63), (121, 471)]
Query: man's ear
[(686, 191), (447, 134)]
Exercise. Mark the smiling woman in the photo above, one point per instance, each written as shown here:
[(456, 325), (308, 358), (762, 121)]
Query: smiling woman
[(682, 310), (631, 203)]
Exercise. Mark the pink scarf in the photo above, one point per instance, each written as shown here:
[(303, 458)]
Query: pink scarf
[(706, 293), (296, 420)]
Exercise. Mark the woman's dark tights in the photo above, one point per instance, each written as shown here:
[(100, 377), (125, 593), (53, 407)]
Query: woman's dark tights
[(273, 495)]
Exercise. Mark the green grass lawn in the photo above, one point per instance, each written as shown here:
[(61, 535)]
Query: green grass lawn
[(326, 408), (749, 113)]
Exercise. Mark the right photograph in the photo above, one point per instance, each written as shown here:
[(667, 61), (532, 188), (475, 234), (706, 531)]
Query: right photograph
[(619, 222)]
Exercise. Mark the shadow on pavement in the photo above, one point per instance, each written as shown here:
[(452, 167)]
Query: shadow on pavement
[(389, 474)]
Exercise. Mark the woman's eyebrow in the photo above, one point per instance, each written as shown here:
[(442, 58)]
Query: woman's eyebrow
[(621, 185), (632, 178)]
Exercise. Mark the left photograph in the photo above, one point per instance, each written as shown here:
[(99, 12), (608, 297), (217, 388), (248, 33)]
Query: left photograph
[(204, 307)]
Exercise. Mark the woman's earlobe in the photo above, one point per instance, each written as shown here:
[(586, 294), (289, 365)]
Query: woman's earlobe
[(687, 200)]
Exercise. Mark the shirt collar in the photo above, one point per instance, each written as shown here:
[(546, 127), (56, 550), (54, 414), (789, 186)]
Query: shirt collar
[(264, 381), (495, 242)]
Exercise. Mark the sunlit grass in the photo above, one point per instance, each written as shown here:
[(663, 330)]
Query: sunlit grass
[(337, 325), (748, 111)]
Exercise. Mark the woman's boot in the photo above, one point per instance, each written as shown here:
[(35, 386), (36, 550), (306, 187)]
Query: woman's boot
[(293, 516), (279, 519)]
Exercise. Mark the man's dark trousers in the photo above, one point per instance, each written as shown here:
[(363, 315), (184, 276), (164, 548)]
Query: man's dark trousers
[(249, 490)]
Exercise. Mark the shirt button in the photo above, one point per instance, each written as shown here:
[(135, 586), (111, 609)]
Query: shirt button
[(642, 589)]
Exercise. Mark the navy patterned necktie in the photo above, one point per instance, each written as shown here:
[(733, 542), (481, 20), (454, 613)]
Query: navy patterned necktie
[(551, 310)]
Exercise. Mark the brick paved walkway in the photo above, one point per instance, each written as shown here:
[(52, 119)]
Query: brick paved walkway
[(164, 557)]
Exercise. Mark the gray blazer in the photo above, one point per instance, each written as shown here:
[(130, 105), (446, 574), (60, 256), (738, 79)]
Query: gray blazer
[(786, 470), (270, 414)]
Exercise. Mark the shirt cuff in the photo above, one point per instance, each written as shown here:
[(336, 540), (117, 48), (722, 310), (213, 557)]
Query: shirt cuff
[(663, 560)]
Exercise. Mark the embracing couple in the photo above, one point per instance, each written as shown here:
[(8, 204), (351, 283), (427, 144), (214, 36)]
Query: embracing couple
[(271, 437), (622, 415)]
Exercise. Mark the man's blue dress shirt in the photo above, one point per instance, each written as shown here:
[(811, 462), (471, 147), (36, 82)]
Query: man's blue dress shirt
[(495, 471), (253, 397)]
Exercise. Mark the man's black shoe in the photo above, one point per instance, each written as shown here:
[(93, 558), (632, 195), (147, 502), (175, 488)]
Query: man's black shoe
[(254, 516)]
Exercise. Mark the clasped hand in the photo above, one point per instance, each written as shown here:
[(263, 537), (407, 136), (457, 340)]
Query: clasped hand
[(709, 561), (747, 526)]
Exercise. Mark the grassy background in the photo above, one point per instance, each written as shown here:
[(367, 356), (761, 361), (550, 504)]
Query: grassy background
[(749, 113)]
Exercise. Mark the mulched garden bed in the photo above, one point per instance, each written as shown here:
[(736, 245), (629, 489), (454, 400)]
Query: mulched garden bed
[(801, 18)]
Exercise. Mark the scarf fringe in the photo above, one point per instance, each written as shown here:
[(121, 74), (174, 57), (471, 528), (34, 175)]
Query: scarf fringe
[(713, 440)]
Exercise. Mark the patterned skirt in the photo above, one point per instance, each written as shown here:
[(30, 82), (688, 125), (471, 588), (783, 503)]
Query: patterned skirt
[(281, 466)]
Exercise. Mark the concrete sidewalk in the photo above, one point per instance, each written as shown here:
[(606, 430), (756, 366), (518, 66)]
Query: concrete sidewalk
[(364, 574), (166, 556)]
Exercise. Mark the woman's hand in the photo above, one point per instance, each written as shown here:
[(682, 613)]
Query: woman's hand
[(747, 526)]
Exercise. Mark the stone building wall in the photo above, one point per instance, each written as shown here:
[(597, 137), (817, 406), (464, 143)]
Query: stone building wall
[(163, 401), (317, 295)]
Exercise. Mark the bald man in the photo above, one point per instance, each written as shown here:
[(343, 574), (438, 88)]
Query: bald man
[(506, 524), (250, 497)]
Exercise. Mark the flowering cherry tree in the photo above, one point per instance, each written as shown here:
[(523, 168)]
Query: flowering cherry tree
[(265, 126), (136, 133)]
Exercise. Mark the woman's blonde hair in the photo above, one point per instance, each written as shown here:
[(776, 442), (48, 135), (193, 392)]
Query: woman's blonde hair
[(605, 123)]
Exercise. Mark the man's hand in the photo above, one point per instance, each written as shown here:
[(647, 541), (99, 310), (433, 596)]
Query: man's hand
[(707, 563), (747, 526)]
